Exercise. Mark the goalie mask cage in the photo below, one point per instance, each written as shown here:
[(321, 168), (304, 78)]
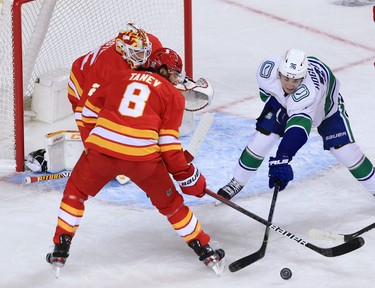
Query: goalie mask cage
[(44, 35)]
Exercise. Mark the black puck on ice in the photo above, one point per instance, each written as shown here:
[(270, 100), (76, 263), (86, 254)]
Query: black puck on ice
[(286, 273)]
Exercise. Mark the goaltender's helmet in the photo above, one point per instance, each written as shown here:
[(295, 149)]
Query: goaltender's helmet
[(165, 57), (294, 64), (133, 45)]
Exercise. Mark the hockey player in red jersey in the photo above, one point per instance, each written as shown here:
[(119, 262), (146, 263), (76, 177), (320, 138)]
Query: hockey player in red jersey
[(136, 134), (129, 50)]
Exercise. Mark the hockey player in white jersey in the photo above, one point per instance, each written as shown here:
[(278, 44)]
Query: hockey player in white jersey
[(299, 93)]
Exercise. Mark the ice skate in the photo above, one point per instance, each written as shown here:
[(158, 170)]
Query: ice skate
[(211, 258), (229, 190), (57, 257)]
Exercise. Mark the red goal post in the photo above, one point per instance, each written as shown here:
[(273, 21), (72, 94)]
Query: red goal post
[(39, 36)]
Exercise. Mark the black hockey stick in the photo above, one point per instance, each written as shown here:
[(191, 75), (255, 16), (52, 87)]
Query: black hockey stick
[(321, 234), (250, 259), (344, 248)]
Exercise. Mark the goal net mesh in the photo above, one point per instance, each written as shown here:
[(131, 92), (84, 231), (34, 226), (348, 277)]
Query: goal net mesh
[(56, 32)]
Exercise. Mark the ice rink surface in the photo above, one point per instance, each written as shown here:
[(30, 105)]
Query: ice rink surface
[(129, 244)]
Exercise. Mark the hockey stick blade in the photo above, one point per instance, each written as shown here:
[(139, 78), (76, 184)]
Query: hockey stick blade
[(344, 248), (321, 234), (245, 261), (259, 254)]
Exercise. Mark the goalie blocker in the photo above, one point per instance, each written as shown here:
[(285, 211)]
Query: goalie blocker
[(62, 151)]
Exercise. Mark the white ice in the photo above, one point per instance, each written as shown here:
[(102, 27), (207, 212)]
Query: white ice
[(128, 245)]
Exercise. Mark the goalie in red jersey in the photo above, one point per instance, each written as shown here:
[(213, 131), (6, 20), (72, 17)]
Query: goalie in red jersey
[(136, 134), (129, 50)]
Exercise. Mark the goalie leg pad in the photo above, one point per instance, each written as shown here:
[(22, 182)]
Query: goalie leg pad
[(63, 149)]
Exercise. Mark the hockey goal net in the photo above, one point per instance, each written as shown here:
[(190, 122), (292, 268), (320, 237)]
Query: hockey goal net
[(39, 36)]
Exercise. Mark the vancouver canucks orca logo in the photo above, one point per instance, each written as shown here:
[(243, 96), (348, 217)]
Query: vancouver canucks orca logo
[(266, 69), (300, 93)]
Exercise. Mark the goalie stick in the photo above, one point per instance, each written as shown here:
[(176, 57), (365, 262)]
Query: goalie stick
[(190, 153), (321, 234), (250, 259), (122, 179), (198, 137), (341, 249), (33, 179)]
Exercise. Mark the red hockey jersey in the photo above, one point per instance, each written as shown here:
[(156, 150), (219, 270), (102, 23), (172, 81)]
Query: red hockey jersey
[(95, 67), (139, 120)]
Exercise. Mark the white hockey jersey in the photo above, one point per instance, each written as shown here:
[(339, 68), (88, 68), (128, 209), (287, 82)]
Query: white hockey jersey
[(317, 96)]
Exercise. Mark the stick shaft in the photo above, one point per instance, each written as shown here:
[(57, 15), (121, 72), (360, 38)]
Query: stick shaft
[(328, 252), (259, 254), (33, 179), (199, 136)]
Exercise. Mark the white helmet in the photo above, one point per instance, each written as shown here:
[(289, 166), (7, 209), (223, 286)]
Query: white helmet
[(133, 45), (294, 64)]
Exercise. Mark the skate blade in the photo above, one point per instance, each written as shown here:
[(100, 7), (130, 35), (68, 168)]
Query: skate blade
[(218, 203), (55, 270), (219, 267)]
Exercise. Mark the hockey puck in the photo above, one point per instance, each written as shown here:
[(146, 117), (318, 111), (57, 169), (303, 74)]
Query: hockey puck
[(286, 273)]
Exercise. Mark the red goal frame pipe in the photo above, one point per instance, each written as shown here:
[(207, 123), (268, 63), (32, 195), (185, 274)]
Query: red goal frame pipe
[(188, 24), (18, 83), (18, 71)]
